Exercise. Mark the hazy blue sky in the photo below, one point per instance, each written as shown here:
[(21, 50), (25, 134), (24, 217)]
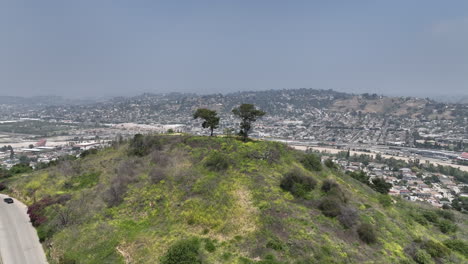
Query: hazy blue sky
[(98, 47)]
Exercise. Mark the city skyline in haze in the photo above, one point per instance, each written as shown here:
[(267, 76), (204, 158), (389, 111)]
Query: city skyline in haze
[(113, 48)]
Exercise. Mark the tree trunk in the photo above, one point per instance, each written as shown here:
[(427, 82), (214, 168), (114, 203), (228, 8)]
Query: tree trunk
[(211, 134)]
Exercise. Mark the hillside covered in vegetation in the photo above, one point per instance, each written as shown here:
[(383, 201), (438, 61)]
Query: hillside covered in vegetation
[(187, 199)]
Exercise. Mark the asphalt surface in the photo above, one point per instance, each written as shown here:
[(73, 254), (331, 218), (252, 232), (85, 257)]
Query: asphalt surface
[(19, 243)]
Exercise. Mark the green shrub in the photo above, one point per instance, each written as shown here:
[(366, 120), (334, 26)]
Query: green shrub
[(141, 145), (435, 249), (85, 180), (275, 244), (446, 226), (137, 145), (446, 214), (422, 257), (333, 204), (338, 194), (312, 162), (431, 216), (332, 189), (88, 152), (460, 204), (360, 176), (328, 184), (457, 245), (366, 233), (385, 200), (44, 232), (209, 245), (183, 252), (330, 164), (380, 185), (420, 219), (298, 183), (217, 162), (20, 168), (330, 207)]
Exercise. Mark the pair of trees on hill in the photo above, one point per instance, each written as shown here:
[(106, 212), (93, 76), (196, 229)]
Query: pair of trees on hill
[(246, 112)]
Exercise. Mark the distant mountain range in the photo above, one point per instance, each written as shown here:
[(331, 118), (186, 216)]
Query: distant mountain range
[(60, 100), (287, 103), (294, 102), (456, 99)]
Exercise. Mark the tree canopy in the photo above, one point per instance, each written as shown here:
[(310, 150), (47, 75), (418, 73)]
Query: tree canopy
[(248, 114), (210, 116)]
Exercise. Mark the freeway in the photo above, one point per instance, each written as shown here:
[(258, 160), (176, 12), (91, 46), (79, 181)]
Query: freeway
[(375, 151), (19, 243)]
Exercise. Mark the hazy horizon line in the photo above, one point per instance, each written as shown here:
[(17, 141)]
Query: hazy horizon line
[(434, 96)]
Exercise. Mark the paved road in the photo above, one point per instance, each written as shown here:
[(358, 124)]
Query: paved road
[(19, 243)]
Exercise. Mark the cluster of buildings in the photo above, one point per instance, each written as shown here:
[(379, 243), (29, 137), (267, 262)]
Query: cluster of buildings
[(22, 148), (39, 153), (434, 188)]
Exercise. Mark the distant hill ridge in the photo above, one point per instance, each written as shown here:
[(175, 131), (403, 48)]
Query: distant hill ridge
[(287, 103), (291, 101)]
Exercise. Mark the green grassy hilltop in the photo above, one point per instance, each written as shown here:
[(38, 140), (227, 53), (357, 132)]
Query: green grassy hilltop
[(189, 199)]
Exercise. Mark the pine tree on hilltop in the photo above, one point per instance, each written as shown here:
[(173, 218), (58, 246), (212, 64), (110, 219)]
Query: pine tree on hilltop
[(210, 116), (248, 114)]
